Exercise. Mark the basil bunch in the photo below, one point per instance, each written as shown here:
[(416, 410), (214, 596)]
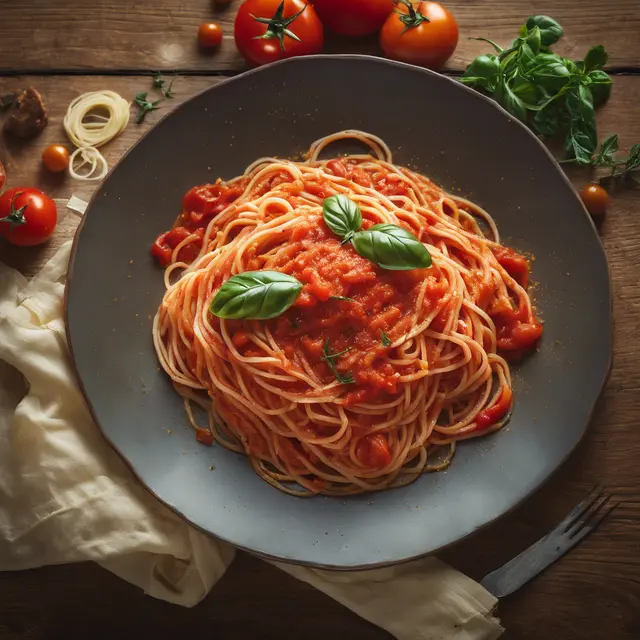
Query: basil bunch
[(255, 295), (387, 245), (549, 93)]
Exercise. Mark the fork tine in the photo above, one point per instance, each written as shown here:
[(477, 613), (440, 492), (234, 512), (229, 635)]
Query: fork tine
[(588, 515), (590, 527), (579, 509)]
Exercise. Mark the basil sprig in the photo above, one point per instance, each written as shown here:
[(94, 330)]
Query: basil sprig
[(550, 94), (255, 295), (387, 245)]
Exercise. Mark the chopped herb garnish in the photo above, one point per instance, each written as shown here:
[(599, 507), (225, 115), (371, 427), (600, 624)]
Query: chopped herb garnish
[(342, 298), (385, 339), (330, 359), (160, 83), (144, 106)]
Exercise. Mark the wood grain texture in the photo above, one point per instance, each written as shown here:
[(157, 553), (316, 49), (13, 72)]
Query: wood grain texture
[(592, 594), (161, 34)]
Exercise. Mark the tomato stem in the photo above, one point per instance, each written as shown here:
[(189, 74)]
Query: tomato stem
[(15, 218), (277, 26), (413, 18)]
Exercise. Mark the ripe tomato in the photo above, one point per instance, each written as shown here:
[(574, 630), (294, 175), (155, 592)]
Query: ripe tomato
[(27, 216), (422, 33), (595, 198), (55, 158), (353, 17), (269, 30), (209, 35)]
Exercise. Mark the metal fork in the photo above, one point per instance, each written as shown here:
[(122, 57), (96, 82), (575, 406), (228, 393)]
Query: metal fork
[(582, 520)]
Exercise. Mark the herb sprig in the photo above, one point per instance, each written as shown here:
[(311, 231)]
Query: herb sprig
[(144, 106), (330, 359), (387, 245), (159, 82), (551, 94)]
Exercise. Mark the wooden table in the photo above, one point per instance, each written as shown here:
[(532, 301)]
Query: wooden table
[(71, 46)]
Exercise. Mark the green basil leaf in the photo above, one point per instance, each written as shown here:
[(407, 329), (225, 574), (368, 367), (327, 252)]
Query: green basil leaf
[(483, 72), (342, 215), (255, 295), (596, 58), (599, 83), (550, 120), (606, 153), (582, 138), (511, 102), (525, 90), (391, 247), (550, 30), (386, 341), (633, 161), (549, 71)]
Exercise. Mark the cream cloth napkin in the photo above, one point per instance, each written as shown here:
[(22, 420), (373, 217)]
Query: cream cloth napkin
[(66, 496)]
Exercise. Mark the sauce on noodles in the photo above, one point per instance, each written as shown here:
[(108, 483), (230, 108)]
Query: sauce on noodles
[(370, 371)]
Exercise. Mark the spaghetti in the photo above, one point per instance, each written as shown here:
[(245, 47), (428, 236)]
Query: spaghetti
[(372, 374)]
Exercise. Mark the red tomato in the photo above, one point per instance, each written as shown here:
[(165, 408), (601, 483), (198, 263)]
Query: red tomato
[(281, 18), (595, 199), (495, 412), (3, 176), (353, 17), (422, 33), (209, 35), (373, 451), (27, 216), (513, 263), (55, 158)]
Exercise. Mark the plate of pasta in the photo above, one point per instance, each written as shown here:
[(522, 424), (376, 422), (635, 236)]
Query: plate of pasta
[(345, 327)]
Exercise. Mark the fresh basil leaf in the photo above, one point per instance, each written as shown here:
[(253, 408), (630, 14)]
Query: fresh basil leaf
[(633, 161), (256, 295), (550, 30), (549, 71), (550, 120), (391, 247), (599, 83), (511, 102), (342, 215), (483, 72), (606, 154), (525, 90), (596, 58), (582, 139)]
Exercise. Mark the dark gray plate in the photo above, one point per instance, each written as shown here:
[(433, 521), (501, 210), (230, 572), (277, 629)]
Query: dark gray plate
[(453, 135)]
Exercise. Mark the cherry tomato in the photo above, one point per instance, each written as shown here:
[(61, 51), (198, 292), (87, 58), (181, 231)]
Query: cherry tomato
[(281, 18), (209, 35), (55, 158), (373, 451), (595, 198), (27, 216), (353, 17), (3, 176), (422, 33)]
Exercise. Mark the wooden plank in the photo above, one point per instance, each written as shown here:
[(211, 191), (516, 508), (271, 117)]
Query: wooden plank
[(621, 232), (116, 34)]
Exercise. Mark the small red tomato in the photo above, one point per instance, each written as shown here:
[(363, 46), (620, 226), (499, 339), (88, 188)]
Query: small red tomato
[(353, 17), (209, 35), (422, 33), (55, 158), (270, 30), (595, 199), (27, 216)]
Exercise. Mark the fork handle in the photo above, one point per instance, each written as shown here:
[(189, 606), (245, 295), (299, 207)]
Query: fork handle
[(525, 566)]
